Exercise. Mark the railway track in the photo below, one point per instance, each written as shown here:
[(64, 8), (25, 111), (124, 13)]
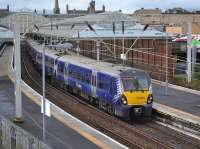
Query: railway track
[(133, 136)]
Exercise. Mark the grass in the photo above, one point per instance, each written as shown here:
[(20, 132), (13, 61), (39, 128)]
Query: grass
[(182, 80)]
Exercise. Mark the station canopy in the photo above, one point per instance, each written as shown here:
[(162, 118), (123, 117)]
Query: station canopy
[(26, 18), (5, 34), (77, 27)]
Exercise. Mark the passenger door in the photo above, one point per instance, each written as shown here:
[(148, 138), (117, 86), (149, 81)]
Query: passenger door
[(55, 67), (66, 73), (94, 83)]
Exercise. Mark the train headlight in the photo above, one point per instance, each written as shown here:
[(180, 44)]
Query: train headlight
[(124, 100), (150, 99)]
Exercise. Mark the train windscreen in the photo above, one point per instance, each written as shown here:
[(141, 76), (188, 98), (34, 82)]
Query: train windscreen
[(135, 83)]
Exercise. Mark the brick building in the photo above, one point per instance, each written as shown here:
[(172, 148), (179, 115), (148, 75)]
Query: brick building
[(148, 53)]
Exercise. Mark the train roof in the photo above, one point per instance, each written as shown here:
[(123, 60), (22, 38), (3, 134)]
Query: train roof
[(48, 52), (114, 69)]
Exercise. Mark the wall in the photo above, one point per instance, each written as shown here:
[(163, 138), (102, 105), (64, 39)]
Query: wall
[(171, 19), (12, 136), (174, 29)]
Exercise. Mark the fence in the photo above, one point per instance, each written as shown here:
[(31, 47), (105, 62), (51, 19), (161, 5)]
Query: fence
[(2, 47), (13, 137)]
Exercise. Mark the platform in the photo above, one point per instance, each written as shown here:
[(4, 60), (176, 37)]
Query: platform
[(58, 135), (180, 98)]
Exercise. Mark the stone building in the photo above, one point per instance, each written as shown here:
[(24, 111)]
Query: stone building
[(56, 10), (4, 12), (71, 13), (176, 17), (91, 10)]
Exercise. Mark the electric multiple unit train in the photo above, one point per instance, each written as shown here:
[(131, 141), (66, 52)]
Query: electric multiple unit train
[(121, 91)]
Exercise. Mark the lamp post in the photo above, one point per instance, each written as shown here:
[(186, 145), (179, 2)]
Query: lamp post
[(43, 92), (78, 44), (189, 53), (123, 51), (98, 52), (166, 67), (43, 107), (114, 41), (78, 47), (115, 48), (17, 69)]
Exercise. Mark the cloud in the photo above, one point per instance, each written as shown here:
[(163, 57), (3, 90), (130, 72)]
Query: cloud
[(125, 5)]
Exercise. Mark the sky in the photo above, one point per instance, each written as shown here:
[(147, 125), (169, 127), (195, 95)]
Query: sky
[(127, 6)]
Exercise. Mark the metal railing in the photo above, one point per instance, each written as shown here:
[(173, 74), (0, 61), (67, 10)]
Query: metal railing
[(14, 137), (2, 48)]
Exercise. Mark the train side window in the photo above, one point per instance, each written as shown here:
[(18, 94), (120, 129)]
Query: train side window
[(78, 76), (88, 80), (83, 78), (93, 80), (105, 85), (74, 74), (70, 72), (113, 87), (52, 62), (61, 69), (100, 85), (66, 70)]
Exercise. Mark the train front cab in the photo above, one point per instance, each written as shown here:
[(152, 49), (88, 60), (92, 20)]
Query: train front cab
[(137, 98)]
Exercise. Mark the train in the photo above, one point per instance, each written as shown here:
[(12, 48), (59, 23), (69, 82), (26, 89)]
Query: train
[(121, 91)]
